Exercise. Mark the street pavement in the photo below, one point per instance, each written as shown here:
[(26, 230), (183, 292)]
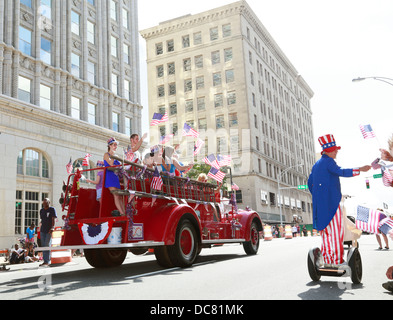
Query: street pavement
[(277, 272)]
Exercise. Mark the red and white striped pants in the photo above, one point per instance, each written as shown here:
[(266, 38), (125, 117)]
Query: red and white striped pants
[(332, 240)]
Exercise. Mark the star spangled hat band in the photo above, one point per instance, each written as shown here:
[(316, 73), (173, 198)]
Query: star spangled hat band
[(328, 143)]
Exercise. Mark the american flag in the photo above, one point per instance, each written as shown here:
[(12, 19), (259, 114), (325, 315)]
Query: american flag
[(159, 118), (69, 167), (216, 174), (235, 187), (166, 138), (198, 146), (367, 219), (156, 182), (375, 164), (387, 178), (385, 225), (189, 132), (212, 161), (85, 162), (129, 154), (367, 131), (223, 160)]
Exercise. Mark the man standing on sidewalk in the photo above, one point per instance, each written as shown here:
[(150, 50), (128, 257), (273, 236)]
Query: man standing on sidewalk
[(48, 219)]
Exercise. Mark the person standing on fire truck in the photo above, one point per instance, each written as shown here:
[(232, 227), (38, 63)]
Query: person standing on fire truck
[(112, 181)]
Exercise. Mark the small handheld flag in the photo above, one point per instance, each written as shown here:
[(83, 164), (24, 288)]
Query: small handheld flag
[(367, 131), (159, 118), (198, 146), (69, 167), (156, 182), (216, 174), (189, 132), (235, 187), (85, 162), (223, 160), (367, 219), (166, 138), (212, 161)]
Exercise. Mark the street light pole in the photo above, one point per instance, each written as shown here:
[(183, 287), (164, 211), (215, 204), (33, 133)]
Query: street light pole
[(382, 79), (279, 189)]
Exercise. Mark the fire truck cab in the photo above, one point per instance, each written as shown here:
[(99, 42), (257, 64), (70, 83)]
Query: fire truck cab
[(177, 222)]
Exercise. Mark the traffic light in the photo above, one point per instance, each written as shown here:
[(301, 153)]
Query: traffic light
[(367, 184)]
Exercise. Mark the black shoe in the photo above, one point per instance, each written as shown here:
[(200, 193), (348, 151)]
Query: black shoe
[(388, 286), (115, 213)]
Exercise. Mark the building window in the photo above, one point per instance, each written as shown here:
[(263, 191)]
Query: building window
[(45, 97), (170, 45), (217, 79), (32, 163), (75, 107), (114, 42), (201, 103), (197, 38), (171, 68), (229, 76), (46, 8), (215, 57), (228, 55), (199, 62), (214, 33), (91, 113), (128, 124), (24, 89), (187, 64), (126, 23), (172, 88), (91, 72), (218, 100), (226, 30), (200, 82), (172, 109), (233, 122), (115, 83), (220, 122), (127, 92), (75, 65), (161, 91), (231, 98), (202, 124), (113, 9), (75, 23), (115, 122), (159, 48), (186, 41), (189, 105), (25, 40), (46, 51), (160, 71), (27, 3), (91, 32), (187, 85), (126, 52)]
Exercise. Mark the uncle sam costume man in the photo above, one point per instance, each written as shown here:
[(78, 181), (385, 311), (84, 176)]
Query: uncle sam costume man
[(324, 185)]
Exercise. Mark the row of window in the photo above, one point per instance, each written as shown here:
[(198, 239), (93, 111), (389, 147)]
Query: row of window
[(199, 83), (198, 62), (197, 39), (24, 94)]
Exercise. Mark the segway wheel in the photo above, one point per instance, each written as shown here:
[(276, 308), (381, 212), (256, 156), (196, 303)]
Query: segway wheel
[(312, 270), (355, 263)]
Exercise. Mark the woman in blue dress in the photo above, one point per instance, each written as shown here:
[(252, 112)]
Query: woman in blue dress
[(111, 179)]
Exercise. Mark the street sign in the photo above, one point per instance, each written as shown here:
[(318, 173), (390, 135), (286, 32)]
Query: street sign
[(302, 187), (376, 176)]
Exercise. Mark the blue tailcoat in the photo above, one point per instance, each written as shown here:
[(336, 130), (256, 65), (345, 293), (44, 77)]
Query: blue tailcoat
[(324, 185)]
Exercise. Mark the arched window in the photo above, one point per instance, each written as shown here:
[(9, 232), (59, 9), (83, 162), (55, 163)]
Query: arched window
[(33, 185), (32, 163)]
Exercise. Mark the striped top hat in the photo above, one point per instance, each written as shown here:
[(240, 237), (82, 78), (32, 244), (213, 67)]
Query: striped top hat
[(328, 143)]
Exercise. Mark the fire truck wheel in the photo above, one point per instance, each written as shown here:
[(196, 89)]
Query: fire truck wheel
[(185, 250), (251, 247), (105, 258), (162, 257)]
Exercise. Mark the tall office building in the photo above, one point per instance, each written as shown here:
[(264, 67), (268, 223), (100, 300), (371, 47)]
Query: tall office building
[(221, 72), (69, 80)]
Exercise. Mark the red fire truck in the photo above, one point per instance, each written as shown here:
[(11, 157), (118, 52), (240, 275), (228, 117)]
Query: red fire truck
[(177, 222)]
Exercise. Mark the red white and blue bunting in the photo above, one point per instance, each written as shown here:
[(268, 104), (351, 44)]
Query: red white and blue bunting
[(97, 234)]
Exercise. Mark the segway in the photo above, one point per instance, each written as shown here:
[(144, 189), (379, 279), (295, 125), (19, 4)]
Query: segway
[(317, 268)]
